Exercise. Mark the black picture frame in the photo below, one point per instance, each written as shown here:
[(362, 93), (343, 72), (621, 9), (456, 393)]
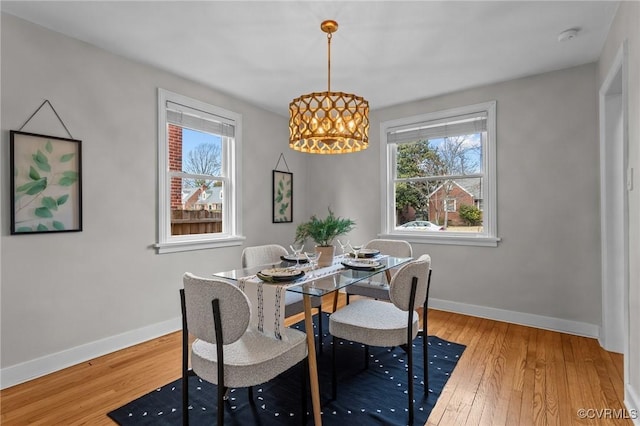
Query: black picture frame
[(46, 184), (282, 197)]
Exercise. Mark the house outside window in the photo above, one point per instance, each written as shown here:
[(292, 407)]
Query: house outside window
[(198, 167), (440, 167)]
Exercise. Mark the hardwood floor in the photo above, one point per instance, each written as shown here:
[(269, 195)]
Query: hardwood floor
[(508, 375)]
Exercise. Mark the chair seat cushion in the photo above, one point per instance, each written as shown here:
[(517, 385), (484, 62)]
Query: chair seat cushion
[(372, 322), (372, 289), (252, 360)]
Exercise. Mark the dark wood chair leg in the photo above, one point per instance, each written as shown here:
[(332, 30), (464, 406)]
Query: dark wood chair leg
[(334, 380), (410, 381), (425, 350), (303, 381), (217, 323), (320, 329), (409, 346), (425, 343), (185, 362), (366, 357)]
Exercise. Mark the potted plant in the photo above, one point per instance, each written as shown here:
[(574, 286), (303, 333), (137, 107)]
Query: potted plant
[(323, 232)]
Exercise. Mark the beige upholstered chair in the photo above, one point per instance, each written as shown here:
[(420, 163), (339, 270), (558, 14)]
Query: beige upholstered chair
[(378, 286), (270, 254), (380, 323), (226, 351)]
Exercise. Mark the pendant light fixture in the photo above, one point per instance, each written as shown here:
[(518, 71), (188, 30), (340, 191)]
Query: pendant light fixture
[(329, 122)]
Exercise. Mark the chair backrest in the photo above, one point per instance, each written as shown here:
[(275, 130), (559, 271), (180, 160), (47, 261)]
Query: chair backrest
[(396, 248), (262, 255), (400, 286), (234, 308)]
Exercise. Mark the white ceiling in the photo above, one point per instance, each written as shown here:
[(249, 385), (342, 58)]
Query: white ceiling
[(269, 52)]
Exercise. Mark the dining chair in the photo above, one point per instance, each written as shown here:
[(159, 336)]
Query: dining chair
[(380, 323), (226, 350), (293, 303), (377, 287)]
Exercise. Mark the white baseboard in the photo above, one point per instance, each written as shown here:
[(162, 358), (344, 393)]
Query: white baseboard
[(32, 369), (632, 403), (38, 367), (531, 320)]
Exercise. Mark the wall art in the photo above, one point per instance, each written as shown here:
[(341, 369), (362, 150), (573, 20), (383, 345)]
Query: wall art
[(46, 184)]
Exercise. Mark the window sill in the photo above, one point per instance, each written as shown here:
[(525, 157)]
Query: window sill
[(449, 239), (188, 245)]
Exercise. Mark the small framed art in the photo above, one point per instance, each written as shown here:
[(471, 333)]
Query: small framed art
[(46, 184), (282, 197)]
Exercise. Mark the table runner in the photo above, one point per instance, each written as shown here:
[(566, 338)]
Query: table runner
[(267, 299)]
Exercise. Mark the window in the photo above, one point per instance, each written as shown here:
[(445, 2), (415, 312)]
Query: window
[(198, 173), (440, 168), (450, 205)]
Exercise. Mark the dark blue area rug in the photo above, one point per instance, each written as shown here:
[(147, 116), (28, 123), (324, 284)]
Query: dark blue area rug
[(375, 396)]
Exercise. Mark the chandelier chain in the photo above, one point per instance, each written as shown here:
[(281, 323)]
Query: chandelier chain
[(328, 62)]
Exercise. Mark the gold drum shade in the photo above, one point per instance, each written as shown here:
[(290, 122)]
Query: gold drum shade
[(329, 122)]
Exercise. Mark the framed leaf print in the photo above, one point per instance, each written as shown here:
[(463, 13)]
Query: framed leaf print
[(282, 197), (46, 184)]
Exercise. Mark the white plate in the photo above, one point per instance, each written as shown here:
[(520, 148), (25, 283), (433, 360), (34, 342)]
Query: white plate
[(361, 263), (292, 258), (281, 272)]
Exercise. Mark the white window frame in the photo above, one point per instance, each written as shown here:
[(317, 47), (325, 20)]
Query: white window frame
[(388, 161), (231, 234), (450, 202)]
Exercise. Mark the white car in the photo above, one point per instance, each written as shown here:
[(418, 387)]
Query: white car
[(420, 225)]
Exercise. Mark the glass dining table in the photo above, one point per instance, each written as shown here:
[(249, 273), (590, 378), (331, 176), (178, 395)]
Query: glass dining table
[(315, 283)]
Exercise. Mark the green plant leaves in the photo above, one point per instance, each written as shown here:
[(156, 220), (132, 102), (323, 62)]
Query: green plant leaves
[(42, 176), (50, 203), (66, 157), (68, 178), (32, 188), (282, 199), (42, 162), (323, 231), (62, 199), (43, 212), (33, 173)]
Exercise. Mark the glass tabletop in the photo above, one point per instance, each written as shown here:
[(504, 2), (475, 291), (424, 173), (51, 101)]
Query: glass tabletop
[(320, 281)]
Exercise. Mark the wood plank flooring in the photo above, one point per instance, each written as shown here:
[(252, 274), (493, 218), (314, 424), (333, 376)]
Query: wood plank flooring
[(509, 375)]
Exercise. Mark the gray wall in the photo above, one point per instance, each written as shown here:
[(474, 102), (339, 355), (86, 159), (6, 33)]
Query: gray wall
[(626, 26), (548, 262), (63, 293)]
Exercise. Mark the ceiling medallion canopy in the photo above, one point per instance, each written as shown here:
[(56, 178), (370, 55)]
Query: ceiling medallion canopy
[(329, 122)]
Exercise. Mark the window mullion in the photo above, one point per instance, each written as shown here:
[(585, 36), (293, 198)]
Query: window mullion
[(437, 178)]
